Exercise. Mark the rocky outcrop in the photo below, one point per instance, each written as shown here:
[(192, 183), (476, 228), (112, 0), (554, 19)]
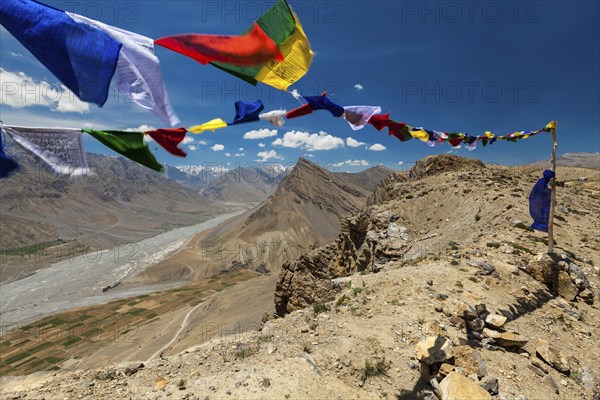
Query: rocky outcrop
[(434, 165), (365, 237), (571, 282)]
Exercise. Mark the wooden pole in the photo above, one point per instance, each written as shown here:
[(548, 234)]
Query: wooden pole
[(553, 192)]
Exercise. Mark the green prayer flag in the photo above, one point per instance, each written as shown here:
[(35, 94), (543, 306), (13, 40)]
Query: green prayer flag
[(129, 144)]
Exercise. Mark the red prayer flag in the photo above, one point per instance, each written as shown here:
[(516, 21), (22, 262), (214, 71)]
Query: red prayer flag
[(254, 47), (379, 121), (300, 111), (169, 138), (456, 141)]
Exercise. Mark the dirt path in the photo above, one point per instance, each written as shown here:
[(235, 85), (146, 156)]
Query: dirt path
[(183, 325)]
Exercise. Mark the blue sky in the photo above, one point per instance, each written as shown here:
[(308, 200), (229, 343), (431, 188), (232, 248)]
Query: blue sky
[(449, 66)]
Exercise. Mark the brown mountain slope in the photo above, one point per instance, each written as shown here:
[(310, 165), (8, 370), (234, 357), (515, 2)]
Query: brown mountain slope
[(245, 184), (303, 213)]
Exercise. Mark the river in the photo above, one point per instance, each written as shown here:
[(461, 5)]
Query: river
[(79, 281)]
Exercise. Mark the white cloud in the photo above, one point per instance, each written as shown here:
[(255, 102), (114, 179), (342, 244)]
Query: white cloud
[(359, 87), (377, 147), (15, 54), (18, 90), (241, 149), (192, 147), (267, 155), (227, 154), (260, 133), (217, 147), (350, 142), (400, 162), (239, 154), (187, 140), (352, 163), (308, 155), (310, 142), (261, 145), (141, 128), (203, 142)]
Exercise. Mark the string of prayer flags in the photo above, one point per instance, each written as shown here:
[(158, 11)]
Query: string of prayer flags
[(253, 47), (284, 28), (275, 117), (60, 148), (169, 139), (7, 164), (247, 111), (82, 57), (358, 116), (129, 144), (138, 74), (211, 125)]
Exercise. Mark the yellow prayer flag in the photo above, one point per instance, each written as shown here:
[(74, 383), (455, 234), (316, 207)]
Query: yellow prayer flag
[(211, 125), (551, 125), (297, 59), (420, 134)]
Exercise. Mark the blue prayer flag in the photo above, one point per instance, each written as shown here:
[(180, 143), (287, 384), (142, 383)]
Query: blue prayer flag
[(82, 57), (539, 202), (7, 164), (323, 103), (246, 111)]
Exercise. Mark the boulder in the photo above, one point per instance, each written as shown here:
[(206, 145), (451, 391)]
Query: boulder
[(490, 383), (458, 387), (505, 339), (540, 268), (444, 371), (434, 349), (495, 320), (587, 296), (465, 311), (552, 356), (476, 325), (566, 287)]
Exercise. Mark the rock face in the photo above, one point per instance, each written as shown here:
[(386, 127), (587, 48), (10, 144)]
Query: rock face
[(366, 236), (458, 387)]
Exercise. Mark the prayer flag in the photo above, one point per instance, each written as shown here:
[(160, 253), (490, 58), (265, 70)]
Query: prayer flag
[(138, 74), (246, 111), (254, 47), (211, 125), (82, 57), (281, 25), (7, 164), (275, 117), (169, 139), (358, 116), (129, 144), (60, 148), (539, 202)]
